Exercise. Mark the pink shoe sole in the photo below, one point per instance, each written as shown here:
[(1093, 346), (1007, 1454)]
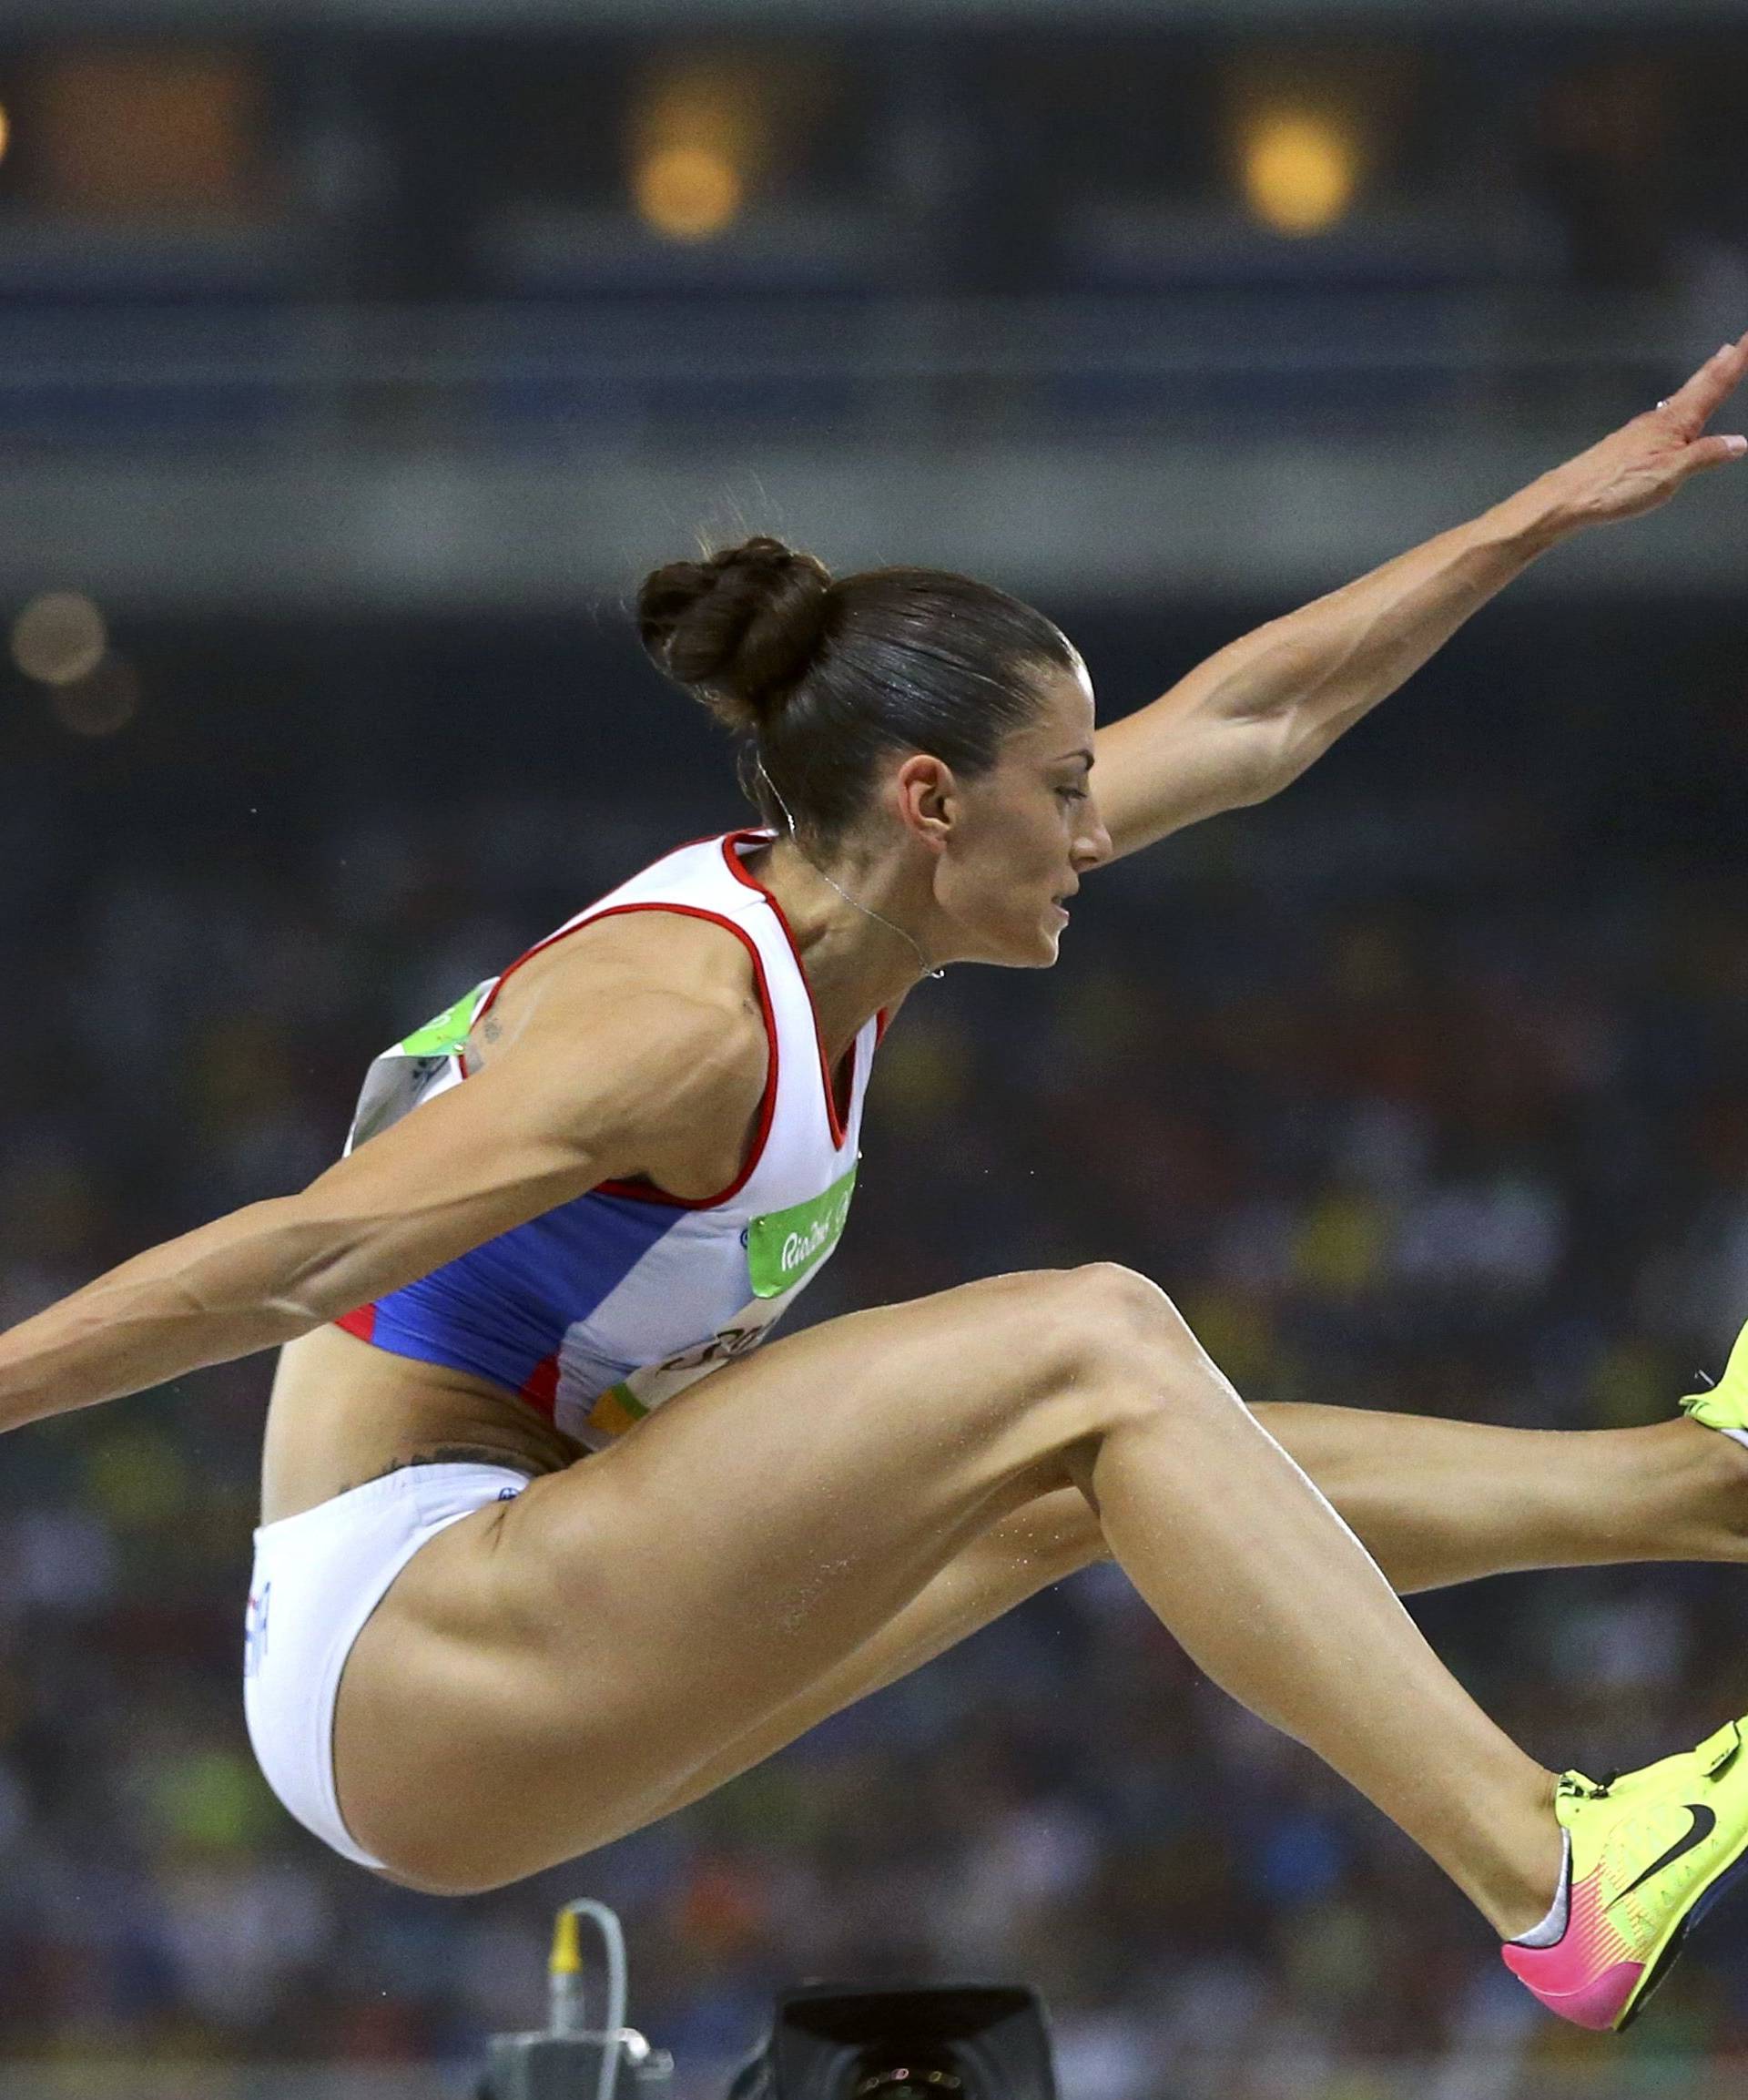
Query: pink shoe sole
[(1586, 1977)]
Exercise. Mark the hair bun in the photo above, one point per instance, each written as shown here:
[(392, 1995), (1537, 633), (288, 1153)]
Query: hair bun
[(739, 628)]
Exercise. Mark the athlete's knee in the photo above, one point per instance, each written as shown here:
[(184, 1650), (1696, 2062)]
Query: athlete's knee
[(1125, 1349), (1124, 1322)]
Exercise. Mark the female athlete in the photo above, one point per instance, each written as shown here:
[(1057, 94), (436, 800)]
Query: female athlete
[(550, 1548)]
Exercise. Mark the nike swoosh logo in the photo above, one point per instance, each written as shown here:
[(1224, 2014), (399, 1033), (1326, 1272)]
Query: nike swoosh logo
[(1704, 1823)]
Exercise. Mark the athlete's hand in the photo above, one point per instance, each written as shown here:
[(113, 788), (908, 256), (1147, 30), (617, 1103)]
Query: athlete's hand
[(1640, 465)]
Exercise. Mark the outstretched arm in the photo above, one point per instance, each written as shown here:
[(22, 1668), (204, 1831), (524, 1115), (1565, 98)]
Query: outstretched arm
[(1242, 725), (572, 1101)]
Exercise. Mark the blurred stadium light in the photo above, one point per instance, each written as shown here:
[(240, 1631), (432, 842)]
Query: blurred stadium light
[(1301, 169), (700, 134), (58, 637)]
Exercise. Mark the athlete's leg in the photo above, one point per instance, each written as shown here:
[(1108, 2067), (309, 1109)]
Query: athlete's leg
[(1055, 1536), (1436, 1502), (547, 1674), (1433, 1501)]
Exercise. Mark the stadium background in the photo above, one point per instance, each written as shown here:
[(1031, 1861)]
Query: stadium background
[(352, 373)]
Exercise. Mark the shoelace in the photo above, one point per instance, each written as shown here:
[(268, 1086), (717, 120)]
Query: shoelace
[(1575, 1786)]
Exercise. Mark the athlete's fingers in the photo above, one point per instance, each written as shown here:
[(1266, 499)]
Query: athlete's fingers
[(1708, 451), (1693, 405)]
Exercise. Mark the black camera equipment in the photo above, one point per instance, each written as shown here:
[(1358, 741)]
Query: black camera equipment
[(827, 2042), (952, 2042)]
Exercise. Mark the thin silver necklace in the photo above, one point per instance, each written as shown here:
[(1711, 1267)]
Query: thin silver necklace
[(867, 910)]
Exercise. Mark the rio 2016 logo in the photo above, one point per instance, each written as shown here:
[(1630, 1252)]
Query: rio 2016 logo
[(800, 1247)]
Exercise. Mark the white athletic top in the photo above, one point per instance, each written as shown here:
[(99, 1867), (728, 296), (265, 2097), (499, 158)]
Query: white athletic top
[(603, 1307)]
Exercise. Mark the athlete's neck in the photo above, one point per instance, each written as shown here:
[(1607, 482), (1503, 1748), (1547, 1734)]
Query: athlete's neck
[(856, 946)]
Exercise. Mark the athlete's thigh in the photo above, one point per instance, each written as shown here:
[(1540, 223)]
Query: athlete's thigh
[(1049, 1539), (550, 1673)]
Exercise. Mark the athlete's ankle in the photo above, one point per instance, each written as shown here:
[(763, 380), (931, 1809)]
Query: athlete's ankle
[(1528, 1884), (1713, 1473)]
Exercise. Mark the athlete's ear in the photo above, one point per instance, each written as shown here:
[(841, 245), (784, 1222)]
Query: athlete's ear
[(927, 798)]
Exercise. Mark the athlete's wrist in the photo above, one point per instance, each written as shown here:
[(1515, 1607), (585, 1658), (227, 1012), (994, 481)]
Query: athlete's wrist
[(1530, 521)]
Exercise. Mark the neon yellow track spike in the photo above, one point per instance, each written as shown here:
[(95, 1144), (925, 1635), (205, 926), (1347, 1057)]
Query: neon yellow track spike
[(1651, 1853), (1726, 1406)]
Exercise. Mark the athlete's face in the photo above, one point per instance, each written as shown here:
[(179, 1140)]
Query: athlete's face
[(1024, 833)]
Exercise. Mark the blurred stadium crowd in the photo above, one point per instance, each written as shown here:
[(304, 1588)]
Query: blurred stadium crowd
[(1420, 1087)]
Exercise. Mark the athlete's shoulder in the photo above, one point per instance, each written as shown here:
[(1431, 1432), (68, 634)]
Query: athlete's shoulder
[(667, 999), (658, 948), (666, 1033)]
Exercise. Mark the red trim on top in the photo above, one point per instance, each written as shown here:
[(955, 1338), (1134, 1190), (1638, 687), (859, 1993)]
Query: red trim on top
[(883, 1021), (540, 947), (736, 868), (646, 1192), (540, 1388), (360, 1320), (833, 1118)]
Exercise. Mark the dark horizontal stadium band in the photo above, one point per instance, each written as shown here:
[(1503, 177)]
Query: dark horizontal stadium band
[(414, 15)]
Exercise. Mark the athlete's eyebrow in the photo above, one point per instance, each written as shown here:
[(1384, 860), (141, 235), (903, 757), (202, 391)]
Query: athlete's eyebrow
[(1084, 755)]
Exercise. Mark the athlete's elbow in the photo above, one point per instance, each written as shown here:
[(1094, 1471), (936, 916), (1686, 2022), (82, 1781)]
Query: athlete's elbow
[(1280, 750), (1260, 757), (316, 1272)]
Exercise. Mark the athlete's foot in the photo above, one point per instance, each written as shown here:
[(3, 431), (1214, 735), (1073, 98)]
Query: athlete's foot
[(1651, 1852)]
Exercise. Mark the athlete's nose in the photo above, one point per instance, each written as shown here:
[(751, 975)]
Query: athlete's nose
[(1093, 848)]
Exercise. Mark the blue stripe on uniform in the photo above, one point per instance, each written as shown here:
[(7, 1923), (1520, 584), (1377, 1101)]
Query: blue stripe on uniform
[(502, 1307)]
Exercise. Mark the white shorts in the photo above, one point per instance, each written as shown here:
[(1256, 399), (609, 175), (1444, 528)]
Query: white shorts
[(318, 1577)]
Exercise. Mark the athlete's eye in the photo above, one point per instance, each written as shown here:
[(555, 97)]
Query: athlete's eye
[(1072, 794)]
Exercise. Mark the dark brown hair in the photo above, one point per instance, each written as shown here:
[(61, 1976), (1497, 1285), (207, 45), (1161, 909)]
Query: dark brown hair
[(823, 678)]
